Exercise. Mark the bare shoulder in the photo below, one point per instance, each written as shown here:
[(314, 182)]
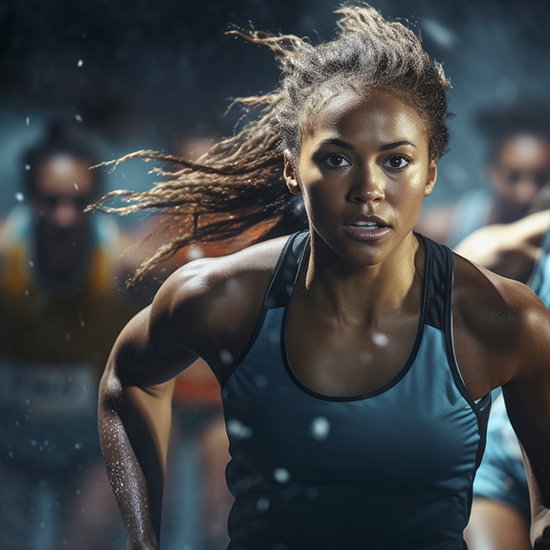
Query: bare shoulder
[(213, 304), (499, 323)]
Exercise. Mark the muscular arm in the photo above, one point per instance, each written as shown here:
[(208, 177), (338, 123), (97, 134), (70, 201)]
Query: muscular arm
[(134, 422), (209, 309), (502, 338), (527, 398)]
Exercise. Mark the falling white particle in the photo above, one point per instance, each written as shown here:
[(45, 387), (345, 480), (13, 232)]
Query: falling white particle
[(75, 186), (27, 167), (365, 357), (312, 493), (380, 339), (263, 504), (80, 63), (282, 475), (28, 121), (320, 428), (78, 118), (237, 429), (194, 253), (226, 357), (31, 263), (78, 446), (260, 380), (19, 197)]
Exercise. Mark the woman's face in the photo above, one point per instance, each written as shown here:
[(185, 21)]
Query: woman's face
[(364, 170), (520, 169)]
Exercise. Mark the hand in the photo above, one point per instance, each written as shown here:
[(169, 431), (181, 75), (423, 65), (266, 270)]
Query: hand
[(543, 542)]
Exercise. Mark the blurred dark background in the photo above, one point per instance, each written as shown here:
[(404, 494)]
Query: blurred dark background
[(147, 74)]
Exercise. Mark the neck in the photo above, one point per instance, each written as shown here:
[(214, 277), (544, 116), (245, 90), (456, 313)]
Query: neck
[(363, 292)]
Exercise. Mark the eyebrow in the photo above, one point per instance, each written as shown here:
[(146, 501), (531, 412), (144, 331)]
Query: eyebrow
[(337, 142), (386, 147), (397, 144)]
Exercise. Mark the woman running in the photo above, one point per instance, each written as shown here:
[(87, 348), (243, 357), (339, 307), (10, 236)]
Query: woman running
[(355, 357)]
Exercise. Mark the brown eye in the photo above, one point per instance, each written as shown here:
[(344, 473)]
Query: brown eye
[(335, 160), (397, 162)]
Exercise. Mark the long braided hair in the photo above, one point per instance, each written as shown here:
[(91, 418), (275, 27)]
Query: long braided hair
[(238, 184)]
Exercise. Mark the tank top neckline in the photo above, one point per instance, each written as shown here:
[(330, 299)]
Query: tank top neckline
[(408, 364)]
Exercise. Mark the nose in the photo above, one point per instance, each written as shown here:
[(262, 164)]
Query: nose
[(368, 187)]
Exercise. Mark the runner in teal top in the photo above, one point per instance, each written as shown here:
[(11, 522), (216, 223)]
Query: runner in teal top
[(353, 392), (333, 445)]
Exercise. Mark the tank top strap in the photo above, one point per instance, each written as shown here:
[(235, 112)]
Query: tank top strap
[(438, 296), (286, 271)]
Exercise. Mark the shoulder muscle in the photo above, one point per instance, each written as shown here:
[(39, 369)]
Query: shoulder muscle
[(210, 306)]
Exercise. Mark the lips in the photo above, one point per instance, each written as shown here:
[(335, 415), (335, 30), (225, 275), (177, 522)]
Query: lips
[(367, 228)]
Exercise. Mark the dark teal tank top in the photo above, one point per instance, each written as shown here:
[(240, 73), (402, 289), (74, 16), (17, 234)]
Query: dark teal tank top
[(389, 470)]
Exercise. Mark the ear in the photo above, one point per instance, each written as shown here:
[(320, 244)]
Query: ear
[(291, 177), (432, 177)]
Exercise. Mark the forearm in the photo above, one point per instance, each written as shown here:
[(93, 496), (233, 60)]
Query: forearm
[(134, 449)]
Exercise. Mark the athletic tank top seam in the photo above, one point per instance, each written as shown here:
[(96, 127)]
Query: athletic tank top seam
[(397, 378), (263, 312), (447, 325), (482, 407)]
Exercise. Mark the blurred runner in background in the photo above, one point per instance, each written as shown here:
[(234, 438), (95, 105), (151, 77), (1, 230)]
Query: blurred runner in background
[(518, 166), (60, 312)]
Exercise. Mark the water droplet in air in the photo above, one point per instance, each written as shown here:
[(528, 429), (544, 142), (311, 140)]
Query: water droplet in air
[(365, 357), (380, 339), (260, 380), (226, 357), (282, 475), (237, 429), (320, 428)]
